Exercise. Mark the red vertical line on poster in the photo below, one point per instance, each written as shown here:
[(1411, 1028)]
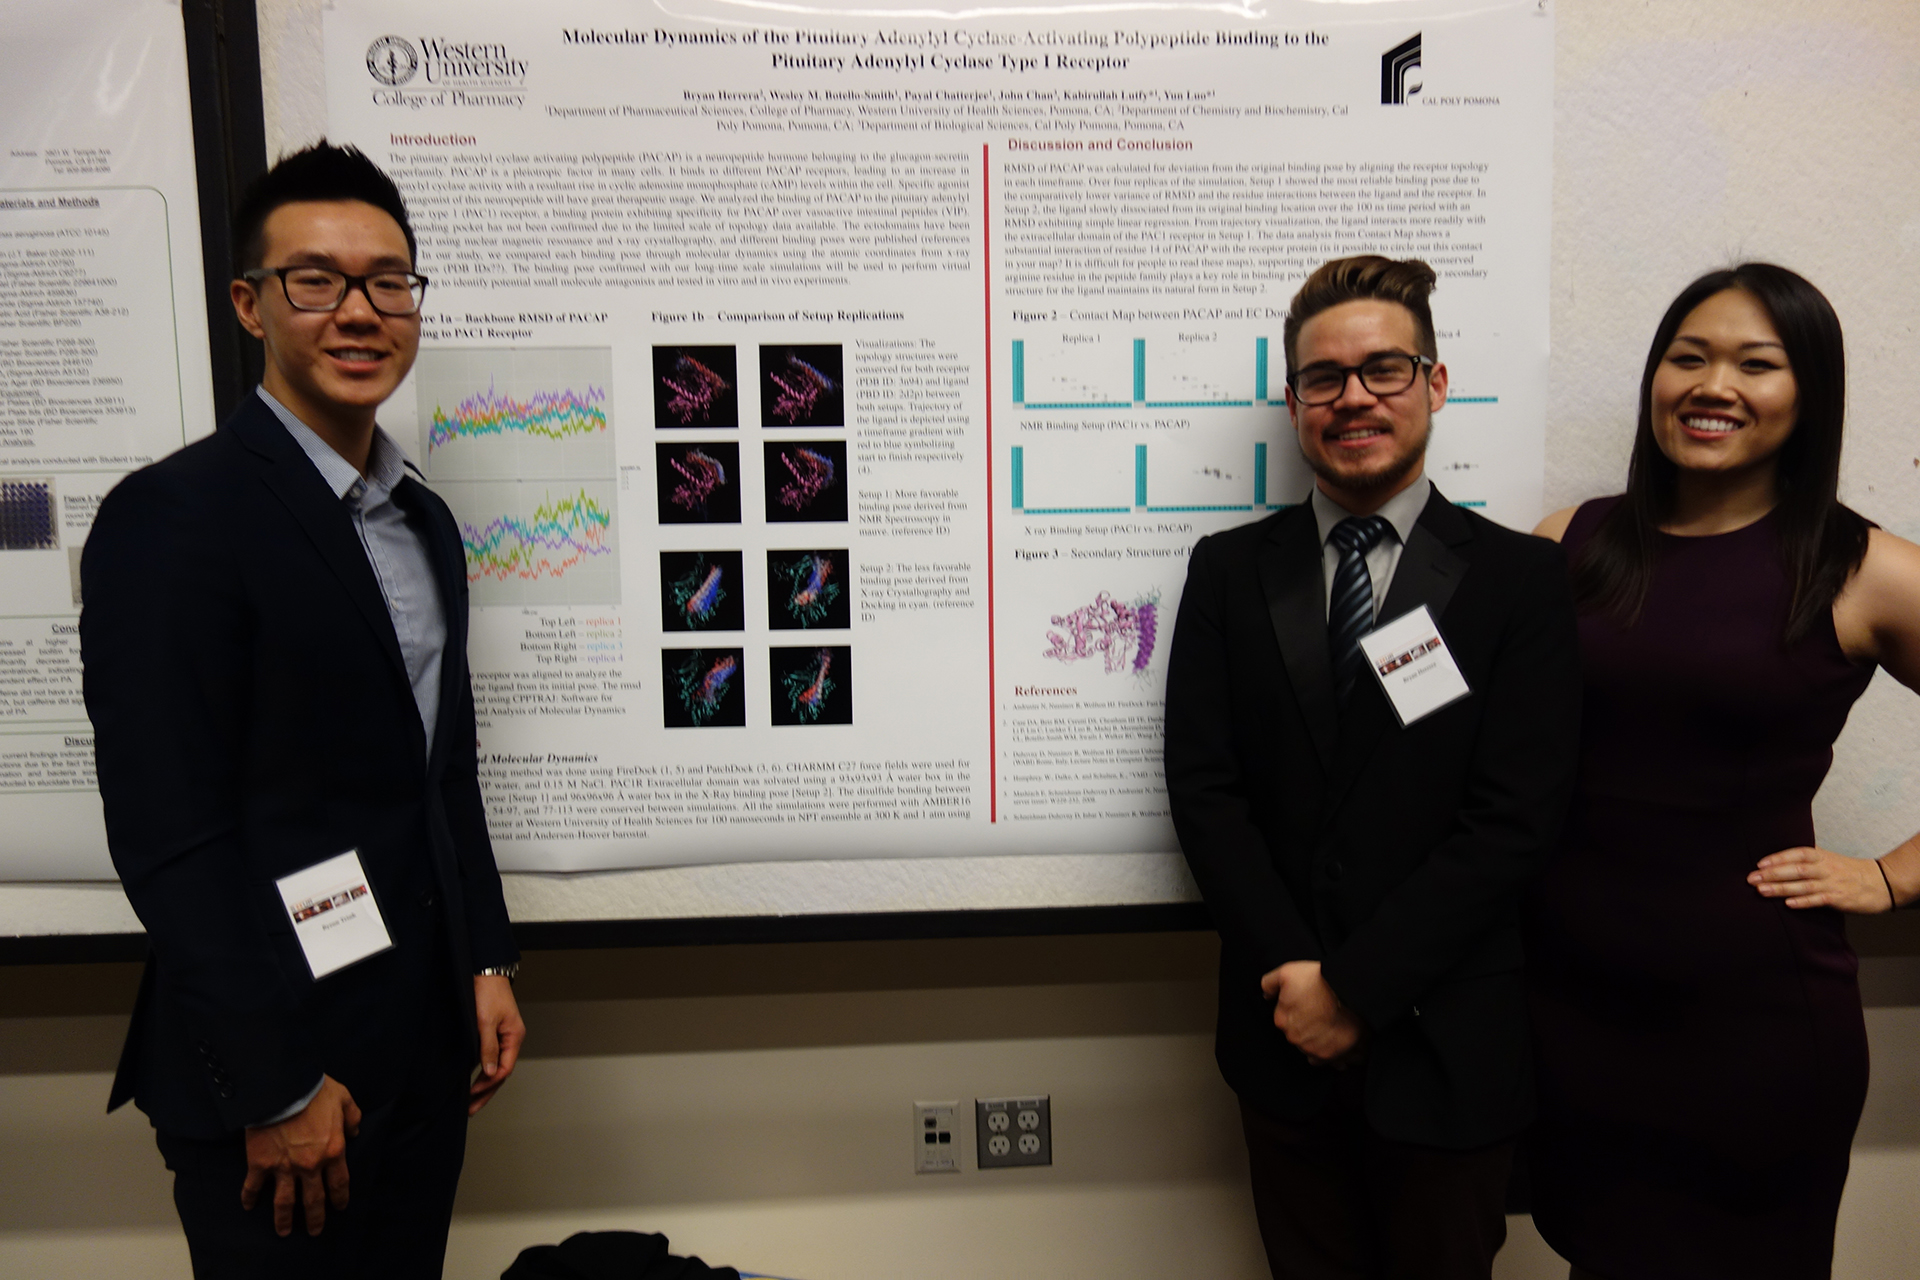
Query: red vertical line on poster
[(993, 703)]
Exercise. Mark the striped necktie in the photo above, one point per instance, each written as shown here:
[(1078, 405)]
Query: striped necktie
[(1350, 611)]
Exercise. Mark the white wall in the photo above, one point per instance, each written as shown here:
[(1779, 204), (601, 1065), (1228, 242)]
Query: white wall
[(1691, 134), (771, 1128)]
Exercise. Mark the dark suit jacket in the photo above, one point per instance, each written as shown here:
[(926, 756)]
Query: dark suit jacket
[(252, 716), (1394, 856)]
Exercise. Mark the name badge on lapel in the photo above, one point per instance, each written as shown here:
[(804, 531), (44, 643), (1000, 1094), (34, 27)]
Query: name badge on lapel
[(334, 915), (1410, 659)]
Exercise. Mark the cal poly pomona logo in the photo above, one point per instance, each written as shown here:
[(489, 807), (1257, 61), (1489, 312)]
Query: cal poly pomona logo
[(392, 60), (1400, 72)]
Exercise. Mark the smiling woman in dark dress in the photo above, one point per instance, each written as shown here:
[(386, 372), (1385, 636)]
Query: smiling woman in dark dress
[(1703, 1056)]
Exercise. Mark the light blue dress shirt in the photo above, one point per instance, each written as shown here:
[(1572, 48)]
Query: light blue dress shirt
[(395, 549)]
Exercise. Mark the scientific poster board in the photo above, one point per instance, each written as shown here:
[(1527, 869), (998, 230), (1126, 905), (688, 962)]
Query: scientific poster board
[(103, 367), (829, 403)]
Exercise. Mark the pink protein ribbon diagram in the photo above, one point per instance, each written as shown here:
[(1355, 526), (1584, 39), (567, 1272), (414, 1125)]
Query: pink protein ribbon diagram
[(696, 390), (812, 472), (801, 389), (700, 475), (1109, 630)]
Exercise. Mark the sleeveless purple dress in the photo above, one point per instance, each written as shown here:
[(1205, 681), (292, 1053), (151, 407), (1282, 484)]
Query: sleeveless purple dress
[(1703, 1059)]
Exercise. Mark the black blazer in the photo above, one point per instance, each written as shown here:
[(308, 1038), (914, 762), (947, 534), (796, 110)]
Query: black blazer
[(252, 716), (1395, 856)]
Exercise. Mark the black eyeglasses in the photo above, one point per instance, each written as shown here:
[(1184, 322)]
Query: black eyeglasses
[(391, 293), (1386, 374)]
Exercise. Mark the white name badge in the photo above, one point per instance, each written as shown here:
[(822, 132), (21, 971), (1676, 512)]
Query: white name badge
[(1413, 664), (334, 914)]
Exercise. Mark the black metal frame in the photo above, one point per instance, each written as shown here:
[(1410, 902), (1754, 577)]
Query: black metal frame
[(573, 935), (230, 150)]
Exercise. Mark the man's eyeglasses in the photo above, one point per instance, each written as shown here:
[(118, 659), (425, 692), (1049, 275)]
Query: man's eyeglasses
[(1383, 375), (391, 293)]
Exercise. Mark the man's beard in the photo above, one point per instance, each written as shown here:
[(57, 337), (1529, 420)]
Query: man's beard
[(1372, 481)]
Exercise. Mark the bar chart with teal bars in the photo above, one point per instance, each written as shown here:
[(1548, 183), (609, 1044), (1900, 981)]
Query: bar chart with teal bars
[(1201, 373), (1161, 479), (1057, 376), (1071, 462)]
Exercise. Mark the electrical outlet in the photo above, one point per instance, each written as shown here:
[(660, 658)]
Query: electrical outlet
[(934, 1150), (1013, 1131)]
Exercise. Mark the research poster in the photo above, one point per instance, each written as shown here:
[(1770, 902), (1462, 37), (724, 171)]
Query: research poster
[(103, 367), (829, 401)]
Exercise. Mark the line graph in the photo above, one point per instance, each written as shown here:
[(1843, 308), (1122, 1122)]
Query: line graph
[(549, 415), (536, 413), (531, 543)]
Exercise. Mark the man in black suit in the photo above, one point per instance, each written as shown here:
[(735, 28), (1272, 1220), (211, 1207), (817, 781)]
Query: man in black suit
[(1363, 859), (274, 634)]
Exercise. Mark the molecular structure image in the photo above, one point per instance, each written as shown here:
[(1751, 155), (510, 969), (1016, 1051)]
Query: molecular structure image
[(29, 519), (809, 687), (811, 589), (801, 388), (1110, 630), (696, 390), (812, 472), (698, 594), (700, 474), (704, 684)]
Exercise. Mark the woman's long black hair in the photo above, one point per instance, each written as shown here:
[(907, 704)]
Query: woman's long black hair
[(1821, 542)]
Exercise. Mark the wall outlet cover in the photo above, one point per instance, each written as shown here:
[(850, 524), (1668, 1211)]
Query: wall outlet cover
[(1012, 1132), (934, 1147)]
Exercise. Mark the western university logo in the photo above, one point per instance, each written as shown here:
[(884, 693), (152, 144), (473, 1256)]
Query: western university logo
[(392, 60), (433, 72), (1400, 72)]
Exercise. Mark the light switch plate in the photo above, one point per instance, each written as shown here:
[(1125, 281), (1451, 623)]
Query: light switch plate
[(935, 1148)]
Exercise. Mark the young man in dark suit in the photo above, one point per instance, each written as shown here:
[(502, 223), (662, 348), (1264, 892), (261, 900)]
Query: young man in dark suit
[(1362, 854), (274, 634)]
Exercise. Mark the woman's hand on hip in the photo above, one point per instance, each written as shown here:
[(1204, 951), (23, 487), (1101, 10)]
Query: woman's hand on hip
[(1812, 877)]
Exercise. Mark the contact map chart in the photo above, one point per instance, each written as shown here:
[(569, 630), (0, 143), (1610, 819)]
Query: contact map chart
[(1195, 371)]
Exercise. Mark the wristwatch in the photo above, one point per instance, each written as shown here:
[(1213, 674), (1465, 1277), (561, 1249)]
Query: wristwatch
[(507, 971)]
